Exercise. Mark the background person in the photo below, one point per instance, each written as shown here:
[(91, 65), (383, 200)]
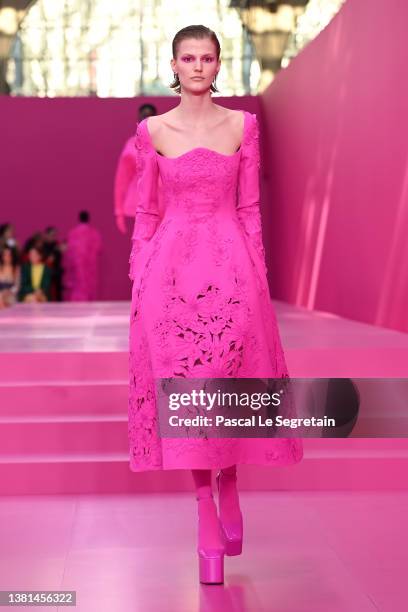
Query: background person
[(81, 261), (35, 278), (127, 175), (9, 276)]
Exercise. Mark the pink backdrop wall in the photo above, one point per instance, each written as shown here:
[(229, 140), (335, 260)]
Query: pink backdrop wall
[(335, 187), (59, 156), (336, 125)]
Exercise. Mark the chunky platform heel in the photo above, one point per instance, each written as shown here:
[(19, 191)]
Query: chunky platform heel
[(210, 560), (232, 531), (211, 566)]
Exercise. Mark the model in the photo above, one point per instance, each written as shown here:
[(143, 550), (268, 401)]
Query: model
[(200, 300), (127, 175)]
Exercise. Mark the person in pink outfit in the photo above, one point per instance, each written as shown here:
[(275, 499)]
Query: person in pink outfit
[(81, 261), (127, 175), (201, 306)]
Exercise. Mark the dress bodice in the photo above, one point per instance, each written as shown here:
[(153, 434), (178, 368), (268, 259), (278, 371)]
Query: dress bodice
[(201, 186), (201, 179)]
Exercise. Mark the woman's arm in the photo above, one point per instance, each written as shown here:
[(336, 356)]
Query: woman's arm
[(248, 210), (25, 285), (46, 282), (147, 212), (125, 174)]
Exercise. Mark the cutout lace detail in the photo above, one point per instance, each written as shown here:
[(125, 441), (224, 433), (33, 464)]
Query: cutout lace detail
[(205, 333), (200, 302)]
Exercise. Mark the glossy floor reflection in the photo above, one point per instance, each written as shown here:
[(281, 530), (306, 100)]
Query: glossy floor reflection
[(65, 326), (104, 327), (303, 552)]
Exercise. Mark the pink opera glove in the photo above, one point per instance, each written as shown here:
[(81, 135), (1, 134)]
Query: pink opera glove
[(147, 215), (248, 210)]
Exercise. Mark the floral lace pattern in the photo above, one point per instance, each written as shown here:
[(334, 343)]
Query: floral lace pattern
[(205, 333), (200, 302)]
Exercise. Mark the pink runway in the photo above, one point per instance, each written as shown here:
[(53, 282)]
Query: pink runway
[(110, 534)]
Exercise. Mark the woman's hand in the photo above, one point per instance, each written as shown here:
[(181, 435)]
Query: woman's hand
[(121, 224)]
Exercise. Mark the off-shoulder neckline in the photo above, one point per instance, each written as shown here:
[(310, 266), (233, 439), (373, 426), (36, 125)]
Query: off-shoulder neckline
[(232, 155)]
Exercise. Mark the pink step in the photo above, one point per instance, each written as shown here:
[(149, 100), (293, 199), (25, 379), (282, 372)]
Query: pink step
[(59, 398), (85, 433), (63, 366), (63, 404), (327, 465)]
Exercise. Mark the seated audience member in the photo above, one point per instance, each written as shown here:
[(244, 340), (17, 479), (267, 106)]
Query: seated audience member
[(7, 237), (35, 241), (52, 250), (9, 276), (35, 278)]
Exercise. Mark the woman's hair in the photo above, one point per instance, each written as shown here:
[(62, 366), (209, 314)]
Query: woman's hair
[(3, 228), (39, 250), (199, 32), (149, 107), (35, 240), (14, 256)]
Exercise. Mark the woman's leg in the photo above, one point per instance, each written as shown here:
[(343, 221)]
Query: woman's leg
[(230, 513), (229, 499), (208, 534)]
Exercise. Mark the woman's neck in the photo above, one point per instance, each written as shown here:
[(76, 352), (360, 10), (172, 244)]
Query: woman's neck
[(196, 110)]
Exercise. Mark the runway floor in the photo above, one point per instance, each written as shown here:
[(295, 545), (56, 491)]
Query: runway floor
[(328, 551), (328, 534)]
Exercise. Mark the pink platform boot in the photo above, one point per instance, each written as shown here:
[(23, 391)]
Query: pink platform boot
[(231, 529), (211, 559)]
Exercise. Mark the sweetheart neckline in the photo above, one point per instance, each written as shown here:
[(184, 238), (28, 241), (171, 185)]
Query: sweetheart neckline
[(237, 152), (197, 149)]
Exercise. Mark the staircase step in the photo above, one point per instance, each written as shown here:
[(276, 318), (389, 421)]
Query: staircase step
[(69, 397), (95, 435), (108, 472), (64, 366)]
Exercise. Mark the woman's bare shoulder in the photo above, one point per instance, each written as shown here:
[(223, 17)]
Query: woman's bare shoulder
[(156, 122), (235, 118), (238, 117), (228, 113)]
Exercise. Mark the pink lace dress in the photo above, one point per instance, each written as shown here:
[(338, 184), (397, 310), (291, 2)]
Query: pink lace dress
[(200, 300)]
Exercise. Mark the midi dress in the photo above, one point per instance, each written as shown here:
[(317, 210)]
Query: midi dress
[(200, 297)]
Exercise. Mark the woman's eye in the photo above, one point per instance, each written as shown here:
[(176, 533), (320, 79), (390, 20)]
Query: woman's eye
[(206, 59)]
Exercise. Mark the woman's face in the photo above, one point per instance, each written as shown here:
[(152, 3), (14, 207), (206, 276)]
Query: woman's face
[(7, 258), (8, 232), (196, 58), (34, 256)]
